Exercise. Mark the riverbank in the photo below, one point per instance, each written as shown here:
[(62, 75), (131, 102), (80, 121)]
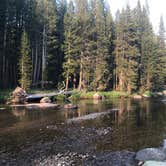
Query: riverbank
[(116, 94), (5, 94)]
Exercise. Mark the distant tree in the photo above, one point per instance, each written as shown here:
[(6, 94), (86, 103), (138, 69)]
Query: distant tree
[(162, 33), (25, 65)]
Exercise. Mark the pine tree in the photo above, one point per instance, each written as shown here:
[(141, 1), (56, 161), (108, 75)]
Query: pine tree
[(83, 41), (148, 51), (162, 33), (70, 65), (25, 65), (126, 52), (160, 57)]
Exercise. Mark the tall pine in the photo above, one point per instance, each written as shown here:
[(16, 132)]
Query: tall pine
[(25, 65)]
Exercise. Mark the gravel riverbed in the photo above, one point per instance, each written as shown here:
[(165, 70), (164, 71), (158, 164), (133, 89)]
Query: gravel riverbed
[(76, 146)]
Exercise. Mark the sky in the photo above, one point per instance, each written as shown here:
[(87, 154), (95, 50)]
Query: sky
[(156, 7)]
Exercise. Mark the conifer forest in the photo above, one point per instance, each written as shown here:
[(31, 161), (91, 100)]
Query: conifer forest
[(78, 44)]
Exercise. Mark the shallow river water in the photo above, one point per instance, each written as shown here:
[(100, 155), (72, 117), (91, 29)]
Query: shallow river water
[(137, 124)]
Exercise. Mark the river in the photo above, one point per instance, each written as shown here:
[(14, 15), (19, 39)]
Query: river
[(131, 126)]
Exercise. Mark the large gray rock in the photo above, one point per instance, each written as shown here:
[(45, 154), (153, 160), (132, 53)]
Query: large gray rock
[(18, 96), (154, 163), (150, 154)]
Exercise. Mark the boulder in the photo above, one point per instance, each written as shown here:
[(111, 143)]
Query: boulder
[(96, 96), (137, 97), (164, 92), (70, 106), (45, 100), (150, 154), (154, 163), (18, 96)]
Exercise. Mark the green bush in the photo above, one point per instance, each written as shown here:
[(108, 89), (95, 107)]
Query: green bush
[(75, 96), (148, 93), (60, 97)]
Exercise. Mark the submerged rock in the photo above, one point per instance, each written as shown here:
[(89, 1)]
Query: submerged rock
[(103, 131), (36, 106), (87, 117), (119, 158), (150, 154), (70, 106)]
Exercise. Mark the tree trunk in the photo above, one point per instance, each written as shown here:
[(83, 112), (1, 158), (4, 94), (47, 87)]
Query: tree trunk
[(43, 57), (81, 74), (35, 65), (121, 82), (67, 81)]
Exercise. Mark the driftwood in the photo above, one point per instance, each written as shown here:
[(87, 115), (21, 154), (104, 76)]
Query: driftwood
[(40, 96)]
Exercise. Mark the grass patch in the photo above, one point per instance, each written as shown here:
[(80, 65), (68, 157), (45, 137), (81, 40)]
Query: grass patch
[(114, 94), (75, 96), (89, 95), (60, 97)]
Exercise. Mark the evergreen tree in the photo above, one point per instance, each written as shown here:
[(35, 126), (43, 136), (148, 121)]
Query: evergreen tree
[(148, 50), (70, 65), (103, 34), (25, 65), (126, 52), (83, 41), (162, 33)]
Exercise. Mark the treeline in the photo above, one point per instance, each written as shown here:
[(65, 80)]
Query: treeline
[(80, 44)]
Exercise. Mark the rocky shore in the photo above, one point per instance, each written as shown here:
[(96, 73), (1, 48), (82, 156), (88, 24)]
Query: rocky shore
[(76, 146)]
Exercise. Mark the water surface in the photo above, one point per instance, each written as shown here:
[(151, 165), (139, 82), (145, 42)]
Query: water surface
[(137, 124)]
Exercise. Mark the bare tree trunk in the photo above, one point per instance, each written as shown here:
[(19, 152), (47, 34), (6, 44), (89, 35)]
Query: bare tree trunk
[(121, 82), (35, 64), (81, 74), (38, 71), (148, 84), (67, 81), (43, 57)]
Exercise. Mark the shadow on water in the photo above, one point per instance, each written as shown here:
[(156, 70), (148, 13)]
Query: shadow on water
[(136, 125)]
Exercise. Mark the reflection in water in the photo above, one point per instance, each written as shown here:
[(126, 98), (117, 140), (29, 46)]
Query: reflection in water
[(136, 124)]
